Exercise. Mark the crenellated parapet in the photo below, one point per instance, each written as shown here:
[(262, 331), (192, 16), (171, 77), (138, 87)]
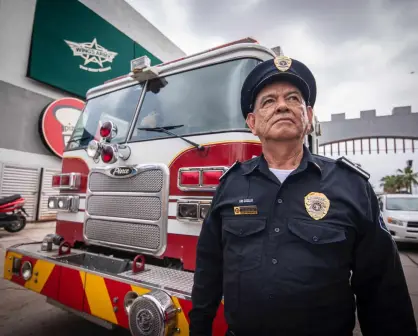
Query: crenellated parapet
[(402, 122)]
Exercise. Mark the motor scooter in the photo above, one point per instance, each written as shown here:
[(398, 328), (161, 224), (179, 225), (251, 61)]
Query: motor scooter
[(12, 213)]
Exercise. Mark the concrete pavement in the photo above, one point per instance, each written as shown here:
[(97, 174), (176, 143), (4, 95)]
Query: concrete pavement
[(23, 312)]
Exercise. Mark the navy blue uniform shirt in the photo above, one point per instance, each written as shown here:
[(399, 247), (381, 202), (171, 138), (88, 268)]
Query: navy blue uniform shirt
[(283, 272)]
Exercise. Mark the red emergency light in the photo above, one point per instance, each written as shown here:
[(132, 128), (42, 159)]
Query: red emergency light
[(108, 154), (199, 178), (211, 177), (190, 178), (70, 181)]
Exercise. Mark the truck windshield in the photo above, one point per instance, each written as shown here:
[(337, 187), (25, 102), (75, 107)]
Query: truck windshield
[(203, 100), (402, 203), (117, 106)]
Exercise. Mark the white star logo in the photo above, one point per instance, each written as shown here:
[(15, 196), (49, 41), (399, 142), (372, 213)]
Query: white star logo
[(92, 52)]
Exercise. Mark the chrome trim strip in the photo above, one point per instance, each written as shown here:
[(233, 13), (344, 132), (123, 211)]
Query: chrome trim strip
[(137, 110), (74, 183), (191, 220)]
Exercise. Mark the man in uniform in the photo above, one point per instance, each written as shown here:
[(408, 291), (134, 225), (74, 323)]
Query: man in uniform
[(294, 241)]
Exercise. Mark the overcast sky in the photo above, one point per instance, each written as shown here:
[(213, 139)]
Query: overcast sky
[(362, 52)]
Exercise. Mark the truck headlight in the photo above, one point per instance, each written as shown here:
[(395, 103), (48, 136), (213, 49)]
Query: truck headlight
[(395, 221), (26, 270)]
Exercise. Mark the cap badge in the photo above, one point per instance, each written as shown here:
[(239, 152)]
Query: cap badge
[(282, 63), (317, 205)]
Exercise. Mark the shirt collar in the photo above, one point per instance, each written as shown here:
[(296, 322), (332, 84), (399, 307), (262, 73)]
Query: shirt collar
[(260, 163)]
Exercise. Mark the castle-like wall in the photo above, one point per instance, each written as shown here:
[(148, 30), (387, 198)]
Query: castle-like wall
[(402, 122)]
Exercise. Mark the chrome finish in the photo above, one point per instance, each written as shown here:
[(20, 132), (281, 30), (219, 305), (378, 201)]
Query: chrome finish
[(136, 114), (152, 314), (74, 181), (128, 300), (174, 282), (123, 152), (199, 202), (71, 203), (121, 172), (94, 149), (128, 213), (26, 270), (200, 186)]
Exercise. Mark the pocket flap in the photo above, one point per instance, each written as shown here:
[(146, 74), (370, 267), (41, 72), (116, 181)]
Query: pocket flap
[(315, 234), (243, 227)]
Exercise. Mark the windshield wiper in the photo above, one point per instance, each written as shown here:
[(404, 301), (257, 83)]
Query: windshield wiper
[(166, 129)]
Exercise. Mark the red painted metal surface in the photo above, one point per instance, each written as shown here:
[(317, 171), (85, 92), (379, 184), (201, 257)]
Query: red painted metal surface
[(52, 285), (71, 231), (182, 247), (118, 290), (71, 289), (222, 154)]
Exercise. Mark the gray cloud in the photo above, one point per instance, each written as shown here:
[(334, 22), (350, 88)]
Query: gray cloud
[(361, 51)]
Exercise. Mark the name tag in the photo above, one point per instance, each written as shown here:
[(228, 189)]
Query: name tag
[(246, 210)]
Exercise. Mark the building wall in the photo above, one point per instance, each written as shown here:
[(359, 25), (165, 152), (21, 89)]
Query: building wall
[(120, 14), (16, 19), (23, 99)]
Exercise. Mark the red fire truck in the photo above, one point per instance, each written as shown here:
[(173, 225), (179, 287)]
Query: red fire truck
[(138, 175)]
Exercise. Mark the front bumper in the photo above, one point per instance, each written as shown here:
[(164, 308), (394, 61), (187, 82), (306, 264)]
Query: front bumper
[(101, 287), (403, 233)]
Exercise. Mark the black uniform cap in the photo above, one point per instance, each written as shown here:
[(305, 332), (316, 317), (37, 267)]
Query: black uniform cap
[(281, 68)]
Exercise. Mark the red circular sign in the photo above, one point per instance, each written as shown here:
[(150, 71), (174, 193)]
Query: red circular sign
[(57, 123)]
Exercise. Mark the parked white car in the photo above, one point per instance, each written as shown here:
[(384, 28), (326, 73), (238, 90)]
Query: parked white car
[(400, 214)]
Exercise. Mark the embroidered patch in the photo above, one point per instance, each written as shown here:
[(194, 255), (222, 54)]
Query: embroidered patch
[(246, 210), (317, 205)]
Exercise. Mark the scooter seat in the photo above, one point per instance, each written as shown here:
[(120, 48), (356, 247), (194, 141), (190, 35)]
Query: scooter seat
[(9, 199)]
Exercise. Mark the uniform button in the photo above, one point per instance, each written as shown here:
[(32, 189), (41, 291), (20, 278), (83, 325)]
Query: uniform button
[(274, 261), (277, 230), (271, 296), (315, 238), (279, 201)]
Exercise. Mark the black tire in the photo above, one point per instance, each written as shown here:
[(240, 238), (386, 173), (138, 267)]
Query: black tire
[(16, 225)]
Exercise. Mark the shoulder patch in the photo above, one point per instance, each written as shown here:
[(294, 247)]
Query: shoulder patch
[(235, 165), (343, 161)]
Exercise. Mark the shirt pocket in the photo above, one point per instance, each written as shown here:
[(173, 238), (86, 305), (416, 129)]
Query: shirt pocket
[(243, 242), (317, 248)]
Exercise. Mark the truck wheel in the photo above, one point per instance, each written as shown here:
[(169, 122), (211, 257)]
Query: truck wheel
[(16, 225)]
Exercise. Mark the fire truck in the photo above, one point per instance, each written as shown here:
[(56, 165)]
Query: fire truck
[(138, 175)]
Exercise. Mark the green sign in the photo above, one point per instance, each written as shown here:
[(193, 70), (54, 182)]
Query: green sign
[(74, 49)]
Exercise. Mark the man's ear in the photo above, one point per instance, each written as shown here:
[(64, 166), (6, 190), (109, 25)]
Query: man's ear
[(251, 122), (309, 113)]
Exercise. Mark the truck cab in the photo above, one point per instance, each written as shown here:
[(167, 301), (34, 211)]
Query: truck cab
[(138, 176), (400, 214)]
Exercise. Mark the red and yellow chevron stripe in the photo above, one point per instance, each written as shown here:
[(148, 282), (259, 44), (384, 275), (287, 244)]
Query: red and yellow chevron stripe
[(93, 294)]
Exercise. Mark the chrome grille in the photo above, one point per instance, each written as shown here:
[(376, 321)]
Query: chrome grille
[(122, 233), (136, 207), (146, 181), (128, 213)]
